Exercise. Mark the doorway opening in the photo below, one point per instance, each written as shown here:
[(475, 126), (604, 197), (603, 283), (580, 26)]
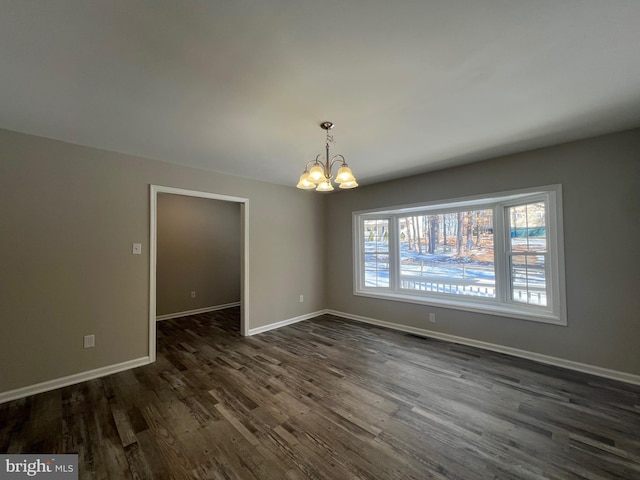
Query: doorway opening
[(153, 253)]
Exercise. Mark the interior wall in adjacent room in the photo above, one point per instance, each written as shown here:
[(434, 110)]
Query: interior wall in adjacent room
[(198, 250)]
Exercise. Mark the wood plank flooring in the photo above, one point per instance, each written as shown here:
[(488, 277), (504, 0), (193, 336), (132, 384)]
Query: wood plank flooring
[(331, 399)]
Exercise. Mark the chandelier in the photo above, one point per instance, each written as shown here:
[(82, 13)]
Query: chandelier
[(319, 176)]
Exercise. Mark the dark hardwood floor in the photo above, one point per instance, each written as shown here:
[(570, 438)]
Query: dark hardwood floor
[(331, 399)]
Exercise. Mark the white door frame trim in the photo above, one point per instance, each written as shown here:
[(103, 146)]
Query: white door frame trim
[(153, 244)]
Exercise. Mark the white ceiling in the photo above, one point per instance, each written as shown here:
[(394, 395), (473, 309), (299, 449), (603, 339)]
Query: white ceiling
[(240, 86)]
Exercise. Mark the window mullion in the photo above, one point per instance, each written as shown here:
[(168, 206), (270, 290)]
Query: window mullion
[(501, 254), (394, 254)]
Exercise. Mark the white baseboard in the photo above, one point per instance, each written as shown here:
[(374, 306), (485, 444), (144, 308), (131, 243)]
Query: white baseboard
[(538, 357), (72, 379), (196, 311), (283, 323), (119, 367)]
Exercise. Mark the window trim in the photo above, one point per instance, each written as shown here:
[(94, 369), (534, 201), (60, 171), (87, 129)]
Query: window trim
[(502, 305)]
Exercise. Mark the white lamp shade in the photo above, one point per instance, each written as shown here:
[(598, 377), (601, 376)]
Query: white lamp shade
[(345, 175), (316, 174), (304, 182), (353, 184), (324, 186)]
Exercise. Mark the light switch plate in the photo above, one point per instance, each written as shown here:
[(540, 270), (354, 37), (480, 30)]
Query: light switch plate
[(136, 249)]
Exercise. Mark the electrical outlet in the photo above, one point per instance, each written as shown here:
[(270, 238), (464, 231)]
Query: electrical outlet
[(193, 294), (432, 317), (301, 298), (89, 341)]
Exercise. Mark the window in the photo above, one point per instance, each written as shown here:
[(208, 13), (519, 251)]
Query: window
[(376, 253), (449, 253), (499, 254), (527, 252)]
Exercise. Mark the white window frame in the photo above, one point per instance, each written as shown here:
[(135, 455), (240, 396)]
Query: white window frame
[(502, 305)]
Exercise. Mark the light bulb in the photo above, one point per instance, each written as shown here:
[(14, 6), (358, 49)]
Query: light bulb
[(325, 186), (304, 183), (345, 174), (353, 184), (316, 174)]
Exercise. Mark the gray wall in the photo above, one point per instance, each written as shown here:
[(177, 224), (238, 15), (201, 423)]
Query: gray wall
[(198, 250), (601, 194), (68, 217), (69, 214)]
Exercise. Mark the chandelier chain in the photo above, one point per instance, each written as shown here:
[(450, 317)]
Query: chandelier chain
[(330, 139)]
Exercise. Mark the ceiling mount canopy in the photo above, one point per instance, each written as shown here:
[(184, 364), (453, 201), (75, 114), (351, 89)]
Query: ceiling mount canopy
[(317, 173)]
